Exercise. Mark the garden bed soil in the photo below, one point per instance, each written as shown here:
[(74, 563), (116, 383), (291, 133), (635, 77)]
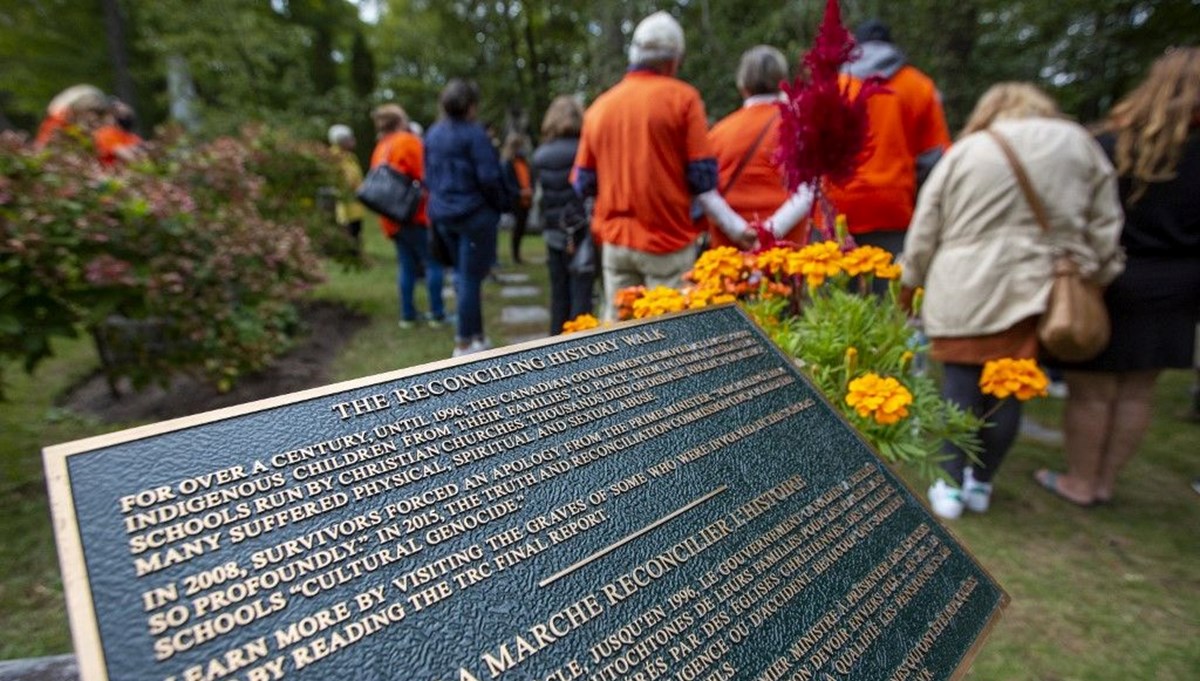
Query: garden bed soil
[(328, 327)]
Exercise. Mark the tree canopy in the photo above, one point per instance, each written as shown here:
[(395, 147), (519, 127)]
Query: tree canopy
[(308, 63)]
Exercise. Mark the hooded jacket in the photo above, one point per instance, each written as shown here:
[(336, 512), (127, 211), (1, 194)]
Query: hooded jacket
[(906, 124)]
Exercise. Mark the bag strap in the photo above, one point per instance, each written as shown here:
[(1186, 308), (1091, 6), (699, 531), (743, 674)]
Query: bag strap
[(1031, 195), (737, 172)]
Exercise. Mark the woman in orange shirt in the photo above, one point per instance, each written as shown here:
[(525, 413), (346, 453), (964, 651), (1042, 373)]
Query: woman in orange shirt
[(745, 142), (403, 151)]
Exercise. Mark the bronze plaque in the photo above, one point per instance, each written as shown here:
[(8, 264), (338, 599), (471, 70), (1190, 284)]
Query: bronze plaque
[(665, 500)]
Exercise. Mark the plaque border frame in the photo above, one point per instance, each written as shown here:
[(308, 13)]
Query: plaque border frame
[(81, 614)]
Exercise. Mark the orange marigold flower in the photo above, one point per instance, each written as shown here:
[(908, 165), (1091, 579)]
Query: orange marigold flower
[(882, 398), (581, 323), (717, 264), (773, 261), (865, 259), (1021, 378), (624, 300), (657, 301), (890, 271), (816, 262)]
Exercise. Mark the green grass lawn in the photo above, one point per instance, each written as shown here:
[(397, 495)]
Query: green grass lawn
[(1108, 593)]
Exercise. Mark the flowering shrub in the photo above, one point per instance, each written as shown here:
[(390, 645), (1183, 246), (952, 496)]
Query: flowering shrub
[(857, 349), (178, 246), (1020, 378)]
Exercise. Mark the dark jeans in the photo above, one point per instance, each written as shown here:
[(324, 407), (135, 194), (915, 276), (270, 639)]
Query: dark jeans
[(960, 385), (472, 239), (522, 221), (412, 252), (570, 296)]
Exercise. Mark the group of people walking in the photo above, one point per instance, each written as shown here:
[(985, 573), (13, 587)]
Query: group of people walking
[(977, 222)]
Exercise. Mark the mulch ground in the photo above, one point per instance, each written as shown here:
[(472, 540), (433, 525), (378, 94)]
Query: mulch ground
[(329, 326)]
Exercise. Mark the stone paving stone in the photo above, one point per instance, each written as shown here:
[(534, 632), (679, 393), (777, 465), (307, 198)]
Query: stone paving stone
[(520, 292), (524, 314), (525, 338), (511, 277)]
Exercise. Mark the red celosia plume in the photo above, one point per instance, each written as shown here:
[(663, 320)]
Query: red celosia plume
[(823, 130)]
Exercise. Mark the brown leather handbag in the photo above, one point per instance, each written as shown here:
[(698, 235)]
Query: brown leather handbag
[(1075, 325)]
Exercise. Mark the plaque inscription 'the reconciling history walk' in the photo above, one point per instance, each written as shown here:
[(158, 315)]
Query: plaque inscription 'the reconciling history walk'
[(669, 500)]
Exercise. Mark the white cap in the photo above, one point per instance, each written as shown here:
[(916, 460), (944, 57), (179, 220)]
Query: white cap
[(339, 132), (656, 39)]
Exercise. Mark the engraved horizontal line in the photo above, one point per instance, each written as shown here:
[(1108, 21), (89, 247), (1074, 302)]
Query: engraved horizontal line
[(630, 537)]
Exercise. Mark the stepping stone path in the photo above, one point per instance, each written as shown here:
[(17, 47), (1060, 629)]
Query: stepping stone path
[(525, 320), (520, 292)]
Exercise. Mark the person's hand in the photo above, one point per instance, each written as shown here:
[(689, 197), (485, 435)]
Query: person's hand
[(747, 240)]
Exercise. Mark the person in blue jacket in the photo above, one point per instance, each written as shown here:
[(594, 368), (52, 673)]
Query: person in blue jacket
[(466, 197)]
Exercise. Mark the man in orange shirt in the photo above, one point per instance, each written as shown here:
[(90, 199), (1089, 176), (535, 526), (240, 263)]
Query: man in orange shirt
[(644, 154), (907, 135)]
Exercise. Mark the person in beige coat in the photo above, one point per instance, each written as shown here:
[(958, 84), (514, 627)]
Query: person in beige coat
[(986, 263)]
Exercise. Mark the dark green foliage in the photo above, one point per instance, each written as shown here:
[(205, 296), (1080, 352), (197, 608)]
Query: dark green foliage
[(181, 264)]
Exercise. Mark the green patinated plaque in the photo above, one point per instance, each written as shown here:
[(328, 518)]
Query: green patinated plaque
[(665, 500)]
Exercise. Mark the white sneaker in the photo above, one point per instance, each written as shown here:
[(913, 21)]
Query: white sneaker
[(477, 345), (976, 496), (945, 500)]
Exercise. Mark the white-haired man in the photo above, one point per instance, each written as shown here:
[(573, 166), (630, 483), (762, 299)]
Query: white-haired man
[(643, 155)]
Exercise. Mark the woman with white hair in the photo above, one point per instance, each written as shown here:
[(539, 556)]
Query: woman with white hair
[(745, 143), (986, 261), (348, 212)]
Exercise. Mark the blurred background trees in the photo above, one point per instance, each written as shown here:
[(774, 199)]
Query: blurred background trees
[(303, 64)]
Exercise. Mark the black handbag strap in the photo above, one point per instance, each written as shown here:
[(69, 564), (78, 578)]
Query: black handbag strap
[(737, 172), (1031, 195)]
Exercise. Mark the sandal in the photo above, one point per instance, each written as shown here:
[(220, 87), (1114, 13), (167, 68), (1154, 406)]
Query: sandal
[(1048, 480)]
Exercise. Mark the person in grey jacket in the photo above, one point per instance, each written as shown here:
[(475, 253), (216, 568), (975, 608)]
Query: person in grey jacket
[(986, 263), (564, 216)]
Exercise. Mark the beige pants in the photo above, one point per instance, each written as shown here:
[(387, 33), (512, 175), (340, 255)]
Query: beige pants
[(625, 267)]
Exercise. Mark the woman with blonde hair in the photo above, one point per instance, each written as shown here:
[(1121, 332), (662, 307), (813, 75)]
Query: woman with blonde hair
[(564, 217), (1153, 137), (986, 261)]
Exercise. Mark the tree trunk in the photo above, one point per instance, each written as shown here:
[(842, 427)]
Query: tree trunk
[(118, 50)]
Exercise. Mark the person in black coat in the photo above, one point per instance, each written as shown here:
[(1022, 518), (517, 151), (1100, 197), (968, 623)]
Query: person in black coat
[(1153, 138), (564, 216)]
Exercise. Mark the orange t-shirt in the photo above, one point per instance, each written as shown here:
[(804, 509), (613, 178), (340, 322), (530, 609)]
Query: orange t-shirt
[(638, 138), (760, 189), (403, 151), (110, 139), (904, 123)]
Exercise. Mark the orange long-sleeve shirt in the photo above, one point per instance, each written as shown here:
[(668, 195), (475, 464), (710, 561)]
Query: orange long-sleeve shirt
[(403, 151), (759, 190)]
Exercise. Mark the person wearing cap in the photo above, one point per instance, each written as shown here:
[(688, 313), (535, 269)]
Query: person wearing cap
[(402, 150), (79, 107), (908, 134), (348, 212), (643, 154), (745, 143)]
